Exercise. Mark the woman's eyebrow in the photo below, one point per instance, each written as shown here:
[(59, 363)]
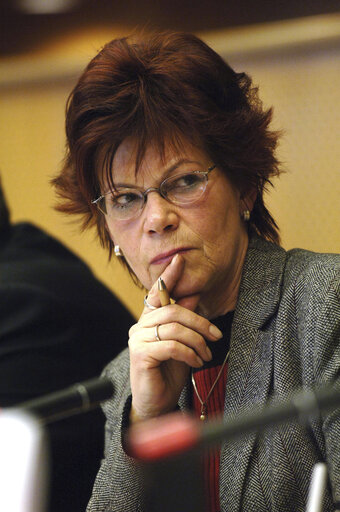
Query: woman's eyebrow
[(173, 167), (178, 163)]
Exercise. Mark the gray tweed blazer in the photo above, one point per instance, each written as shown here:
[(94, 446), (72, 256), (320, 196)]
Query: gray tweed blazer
[(285, 336)]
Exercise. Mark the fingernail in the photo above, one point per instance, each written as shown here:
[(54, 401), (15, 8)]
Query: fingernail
[(208, 352), (199, 361), (174, 259), (214, 331)]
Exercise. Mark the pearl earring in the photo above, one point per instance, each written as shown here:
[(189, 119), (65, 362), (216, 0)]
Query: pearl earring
[(246, 215), (117, 251)]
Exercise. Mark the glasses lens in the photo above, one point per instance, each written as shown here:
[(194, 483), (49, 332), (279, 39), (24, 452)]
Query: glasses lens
[(123, 204), (185, 188)]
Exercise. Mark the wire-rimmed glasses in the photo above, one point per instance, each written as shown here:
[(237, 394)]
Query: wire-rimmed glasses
[(125, 203)]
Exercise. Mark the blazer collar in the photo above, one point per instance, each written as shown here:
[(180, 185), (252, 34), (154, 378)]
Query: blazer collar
[(250, 361), (250, 367), (261, 282), (259, 296)]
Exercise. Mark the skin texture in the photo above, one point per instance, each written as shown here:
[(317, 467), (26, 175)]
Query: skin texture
[(198, 250)]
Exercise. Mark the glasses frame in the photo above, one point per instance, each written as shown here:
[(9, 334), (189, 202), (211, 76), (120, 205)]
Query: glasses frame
[(156, 189)]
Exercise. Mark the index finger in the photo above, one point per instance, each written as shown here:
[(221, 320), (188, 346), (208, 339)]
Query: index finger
[(169, 277)]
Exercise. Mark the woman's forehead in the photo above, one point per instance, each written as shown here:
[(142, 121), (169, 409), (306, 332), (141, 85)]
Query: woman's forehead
[(125, 159), (155, 163)]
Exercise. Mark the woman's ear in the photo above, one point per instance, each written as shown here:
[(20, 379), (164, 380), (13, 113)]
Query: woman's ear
[(247, 200), (116, 249)]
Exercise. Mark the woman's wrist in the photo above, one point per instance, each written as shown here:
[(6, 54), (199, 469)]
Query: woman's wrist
[(134, 417)]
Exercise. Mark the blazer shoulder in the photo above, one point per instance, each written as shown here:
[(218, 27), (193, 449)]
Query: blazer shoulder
[(311, 271), (309, 263)]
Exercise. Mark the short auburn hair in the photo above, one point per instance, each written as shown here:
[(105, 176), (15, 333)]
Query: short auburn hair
[(161, 89)]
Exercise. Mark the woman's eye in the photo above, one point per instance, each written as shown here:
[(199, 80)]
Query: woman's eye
[(125, 200), (187, 180)]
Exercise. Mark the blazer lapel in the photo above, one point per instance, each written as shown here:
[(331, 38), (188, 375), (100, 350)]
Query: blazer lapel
[(250, 361)]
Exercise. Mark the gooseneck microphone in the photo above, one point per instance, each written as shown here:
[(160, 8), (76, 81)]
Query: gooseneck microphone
[(177, 433), (78, 398)]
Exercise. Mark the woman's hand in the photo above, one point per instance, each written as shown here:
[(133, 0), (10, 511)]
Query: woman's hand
[(159, 369)]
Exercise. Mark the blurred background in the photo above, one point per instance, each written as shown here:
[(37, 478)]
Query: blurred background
[(291, 48)]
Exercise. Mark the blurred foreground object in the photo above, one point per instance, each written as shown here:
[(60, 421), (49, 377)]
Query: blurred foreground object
[(58, 325), (23, 477)]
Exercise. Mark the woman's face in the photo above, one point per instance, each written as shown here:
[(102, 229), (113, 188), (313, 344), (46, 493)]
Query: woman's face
[(210, 234)]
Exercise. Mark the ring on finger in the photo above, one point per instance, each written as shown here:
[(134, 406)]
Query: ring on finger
[(157, 333), (150, 306)]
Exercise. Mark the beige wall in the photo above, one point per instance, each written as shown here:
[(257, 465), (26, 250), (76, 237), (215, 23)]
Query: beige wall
[(300, 80), (33, 92), (296, 65)]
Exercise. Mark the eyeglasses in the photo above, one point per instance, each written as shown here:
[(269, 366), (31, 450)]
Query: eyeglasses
[(125, 203)]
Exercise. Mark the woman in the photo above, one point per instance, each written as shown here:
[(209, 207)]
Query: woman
[(169, 154)]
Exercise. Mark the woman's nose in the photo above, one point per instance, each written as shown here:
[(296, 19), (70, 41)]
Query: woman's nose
[(159, 214)]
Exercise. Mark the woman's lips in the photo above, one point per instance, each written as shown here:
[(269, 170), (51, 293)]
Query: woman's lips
[(166, 257)]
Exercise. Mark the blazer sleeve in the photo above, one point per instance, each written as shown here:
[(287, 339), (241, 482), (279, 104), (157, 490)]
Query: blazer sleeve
[(118, 485), (317, 295), (327, 369)]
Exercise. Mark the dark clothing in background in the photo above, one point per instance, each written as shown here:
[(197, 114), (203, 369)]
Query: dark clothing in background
[(58, 325)]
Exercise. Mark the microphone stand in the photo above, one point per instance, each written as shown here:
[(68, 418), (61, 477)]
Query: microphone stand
[(177, 433), (169, 447)]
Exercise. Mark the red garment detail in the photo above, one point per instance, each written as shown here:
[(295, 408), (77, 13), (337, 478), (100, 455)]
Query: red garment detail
[(204, 379)]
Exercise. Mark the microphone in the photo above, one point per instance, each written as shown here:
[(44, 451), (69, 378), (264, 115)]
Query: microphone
[(23, 463), (176, 433), (317, 488), (78, 398)]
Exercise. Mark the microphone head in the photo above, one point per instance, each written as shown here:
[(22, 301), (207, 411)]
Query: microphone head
[(163, 437)]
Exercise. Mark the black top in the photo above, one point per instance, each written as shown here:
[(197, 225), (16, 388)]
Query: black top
[(58, 325), (220, 347)]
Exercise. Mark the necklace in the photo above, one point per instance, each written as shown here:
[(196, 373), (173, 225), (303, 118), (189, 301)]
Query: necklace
[(204, 402)]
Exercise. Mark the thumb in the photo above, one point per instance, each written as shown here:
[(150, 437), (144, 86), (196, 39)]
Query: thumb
[(173, 273), (170, 276)]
